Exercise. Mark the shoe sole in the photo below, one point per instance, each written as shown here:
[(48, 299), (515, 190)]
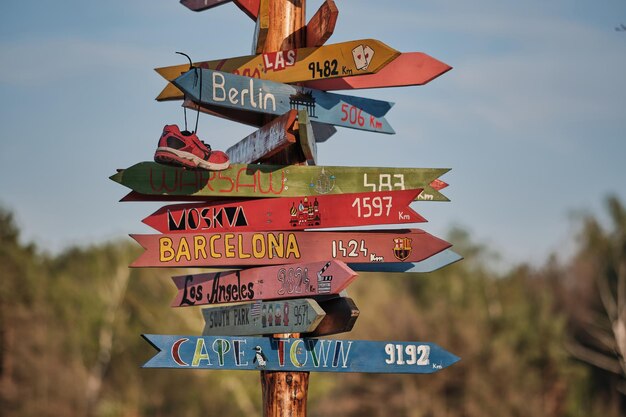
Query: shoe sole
[(171, 156)]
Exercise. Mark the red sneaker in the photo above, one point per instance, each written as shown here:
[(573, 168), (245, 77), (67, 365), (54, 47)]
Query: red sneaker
[(185, 149)]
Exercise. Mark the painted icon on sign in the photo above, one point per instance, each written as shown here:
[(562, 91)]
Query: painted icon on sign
[(303, 99), (362, 55), (324, 183), (306, 214), (324, 282), (259, 358), (402, 248)]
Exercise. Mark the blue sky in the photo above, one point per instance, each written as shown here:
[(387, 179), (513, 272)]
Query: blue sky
[(532, 119)]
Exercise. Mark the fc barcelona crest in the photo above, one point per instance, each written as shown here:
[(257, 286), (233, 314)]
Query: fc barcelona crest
[(402, 248)]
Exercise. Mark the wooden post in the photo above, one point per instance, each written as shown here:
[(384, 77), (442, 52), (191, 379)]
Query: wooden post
[(280, 26), (284, 393)]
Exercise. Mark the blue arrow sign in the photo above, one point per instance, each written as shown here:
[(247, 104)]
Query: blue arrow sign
[(214, 88), (305, 355), (435, 262)]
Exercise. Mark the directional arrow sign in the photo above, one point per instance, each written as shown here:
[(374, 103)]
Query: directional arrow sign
[(263, 317), (216, 88), (322, 24), (266, 283), (288, 213), (277, 180), (435, 262), (321, 131), (249, 7), (303, 355), (275, 248), (341, 314), (413, 68), (265, 142), (364, 56)]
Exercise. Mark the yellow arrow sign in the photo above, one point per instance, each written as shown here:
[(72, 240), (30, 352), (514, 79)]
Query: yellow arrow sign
[(365, 56)]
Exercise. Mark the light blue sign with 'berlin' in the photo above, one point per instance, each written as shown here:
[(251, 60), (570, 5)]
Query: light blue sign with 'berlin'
[(214, 88)]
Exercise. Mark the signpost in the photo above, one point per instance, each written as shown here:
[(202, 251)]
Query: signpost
[(250, 223), (264, 181), (296, 354), (248, 319), (277, 248), (288, 213), (281, 282), (269, 97)]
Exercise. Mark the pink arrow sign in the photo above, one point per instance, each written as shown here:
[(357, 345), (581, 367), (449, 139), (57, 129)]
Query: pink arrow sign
[(265, 283)]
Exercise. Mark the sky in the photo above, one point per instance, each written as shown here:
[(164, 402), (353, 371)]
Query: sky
[(531, 120)]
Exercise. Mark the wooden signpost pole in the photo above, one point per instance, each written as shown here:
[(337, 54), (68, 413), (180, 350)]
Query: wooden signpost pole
[(284, 393)]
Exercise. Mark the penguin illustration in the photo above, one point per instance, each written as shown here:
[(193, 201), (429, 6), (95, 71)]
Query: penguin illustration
[(259, 357)]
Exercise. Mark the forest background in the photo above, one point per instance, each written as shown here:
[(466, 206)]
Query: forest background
[(540, 341)]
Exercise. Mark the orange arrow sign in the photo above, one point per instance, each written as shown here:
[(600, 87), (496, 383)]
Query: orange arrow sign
[(365, 56)]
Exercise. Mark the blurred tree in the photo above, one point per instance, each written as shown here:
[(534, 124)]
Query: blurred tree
[(595, 296)]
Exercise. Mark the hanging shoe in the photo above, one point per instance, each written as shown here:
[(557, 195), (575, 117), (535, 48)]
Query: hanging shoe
[(185, 149)]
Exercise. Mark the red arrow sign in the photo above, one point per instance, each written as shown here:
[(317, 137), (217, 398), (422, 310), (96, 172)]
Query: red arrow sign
[(412, 68), (266, 283), (275, 248), (288, 213)]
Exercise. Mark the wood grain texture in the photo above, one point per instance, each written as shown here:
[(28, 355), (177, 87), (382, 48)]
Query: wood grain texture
[(265, 142), (322, 25), (341, 315), (287, 28), (284, 393)]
